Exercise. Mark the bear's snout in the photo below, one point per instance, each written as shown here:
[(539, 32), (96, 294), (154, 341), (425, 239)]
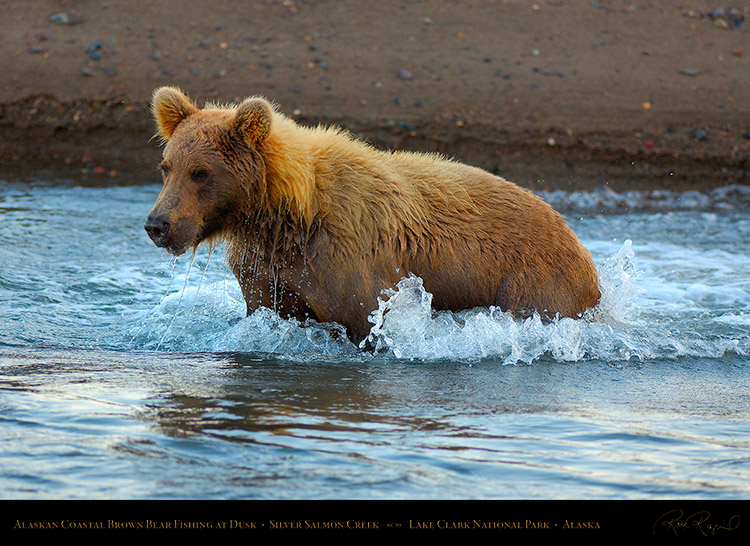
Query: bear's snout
[(157, 228)]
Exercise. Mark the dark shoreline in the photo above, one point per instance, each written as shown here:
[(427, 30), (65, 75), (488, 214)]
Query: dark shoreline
[(112, 141)]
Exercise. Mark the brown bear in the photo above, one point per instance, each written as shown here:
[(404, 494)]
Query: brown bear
[(317, 223)]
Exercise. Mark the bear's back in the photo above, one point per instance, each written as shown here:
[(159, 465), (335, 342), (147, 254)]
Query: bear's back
[(475, 238)]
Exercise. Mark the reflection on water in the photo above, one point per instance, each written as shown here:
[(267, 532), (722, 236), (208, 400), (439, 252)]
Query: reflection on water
[(98, 424), (126, 374)]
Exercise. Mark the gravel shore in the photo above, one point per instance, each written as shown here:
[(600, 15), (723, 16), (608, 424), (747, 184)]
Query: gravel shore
[(553, 94)]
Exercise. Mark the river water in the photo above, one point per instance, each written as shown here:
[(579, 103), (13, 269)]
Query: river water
[(128, 374)]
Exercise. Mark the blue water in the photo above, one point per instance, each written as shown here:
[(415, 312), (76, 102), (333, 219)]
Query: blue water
[(127, 374)]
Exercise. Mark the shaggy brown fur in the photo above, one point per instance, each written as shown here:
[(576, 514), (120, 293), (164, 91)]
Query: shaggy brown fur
[(317, 223)]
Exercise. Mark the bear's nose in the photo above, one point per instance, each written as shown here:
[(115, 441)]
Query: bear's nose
[(157, 228)]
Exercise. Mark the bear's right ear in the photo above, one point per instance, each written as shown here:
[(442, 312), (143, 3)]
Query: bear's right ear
[(170, 106)]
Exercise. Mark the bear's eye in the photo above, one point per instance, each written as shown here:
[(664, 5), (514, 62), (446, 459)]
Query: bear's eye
[(164, 170), (200, 175)]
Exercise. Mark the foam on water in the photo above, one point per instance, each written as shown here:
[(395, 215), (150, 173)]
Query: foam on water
[(406, 327), (602, 199), (212, 318)]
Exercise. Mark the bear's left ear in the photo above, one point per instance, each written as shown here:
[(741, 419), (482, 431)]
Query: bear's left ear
[(170, 106), (253, 120)]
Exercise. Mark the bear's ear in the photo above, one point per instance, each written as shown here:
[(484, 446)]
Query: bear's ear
[(170, 106), (253, 120)]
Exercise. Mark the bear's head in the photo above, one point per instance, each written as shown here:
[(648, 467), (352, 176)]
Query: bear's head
[(212, 168)]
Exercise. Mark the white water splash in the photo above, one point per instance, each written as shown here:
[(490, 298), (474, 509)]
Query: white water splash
[(405, 325), (212, 319), (621, 327)]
